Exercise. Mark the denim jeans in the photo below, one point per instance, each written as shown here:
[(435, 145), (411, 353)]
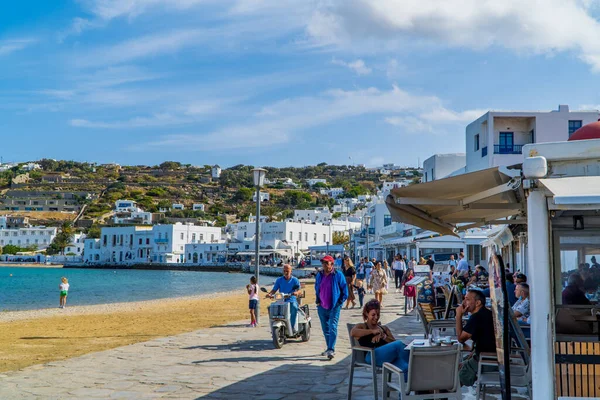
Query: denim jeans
[(293, 314), (329, 324), (392, 353)]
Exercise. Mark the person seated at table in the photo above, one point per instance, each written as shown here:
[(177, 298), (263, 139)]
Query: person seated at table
[(480, 276), (521, 307), (520, 278), (373, 335), (591, 287), (479, 328), (574, 292)]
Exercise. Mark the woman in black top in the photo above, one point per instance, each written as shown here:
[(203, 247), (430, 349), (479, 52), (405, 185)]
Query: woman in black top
[(372, 334), (350, 274)]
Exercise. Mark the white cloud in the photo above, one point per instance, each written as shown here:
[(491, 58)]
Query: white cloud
[(156, 120), (537, 26), (10, 46), (280, 122), (358, 66), (443, 115), (141, 47), (410, 124)]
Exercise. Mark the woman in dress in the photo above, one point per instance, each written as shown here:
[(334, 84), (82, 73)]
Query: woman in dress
[(378, 281), (388, 272), (350, 274)]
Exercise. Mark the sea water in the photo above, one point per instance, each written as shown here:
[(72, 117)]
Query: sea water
[(35, 288)]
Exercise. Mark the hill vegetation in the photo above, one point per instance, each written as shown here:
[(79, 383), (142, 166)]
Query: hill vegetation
[(226, 199)]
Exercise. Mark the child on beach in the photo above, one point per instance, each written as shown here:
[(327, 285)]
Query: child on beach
[(360, 290), (64, 290), (252, 289)]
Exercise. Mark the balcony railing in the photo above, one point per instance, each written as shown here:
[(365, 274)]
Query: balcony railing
[(508, 149), (161, 240)]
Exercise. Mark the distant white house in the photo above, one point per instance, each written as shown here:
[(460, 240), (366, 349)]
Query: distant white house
[(333, 192), (31, 167), (387, 187), (264, 196), (177, 206), (77, 244), (7, 166), (288, 182), (319, 214), (127, 212), (216, 172), (312, 182), (198, 207)]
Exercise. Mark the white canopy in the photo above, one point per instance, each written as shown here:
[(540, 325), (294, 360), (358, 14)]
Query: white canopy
[(581, 191), (477, 198)]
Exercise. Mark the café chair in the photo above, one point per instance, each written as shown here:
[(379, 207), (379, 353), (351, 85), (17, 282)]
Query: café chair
[(359, 355), (433, 370), (430, 323)]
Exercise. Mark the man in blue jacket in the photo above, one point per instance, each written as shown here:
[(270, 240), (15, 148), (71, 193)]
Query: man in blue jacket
[(331, 291)]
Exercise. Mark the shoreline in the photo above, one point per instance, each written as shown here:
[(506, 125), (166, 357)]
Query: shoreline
[(104, 308), (40, 336), (8, 264)]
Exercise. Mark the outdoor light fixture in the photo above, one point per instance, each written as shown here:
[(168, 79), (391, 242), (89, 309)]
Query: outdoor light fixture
[(578, 223), (259, 176), (367, 220)]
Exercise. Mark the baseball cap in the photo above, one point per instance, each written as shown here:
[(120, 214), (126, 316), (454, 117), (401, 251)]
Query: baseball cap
[(327, 258)]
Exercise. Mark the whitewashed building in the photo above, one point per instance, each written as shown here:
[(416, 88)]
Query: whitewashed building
[(198, 207), (127, 212), (497, 137), (140, 244), (264, 196), (206, 253), (177, 206), (77, 244), (286, 234), (334, 193), (39, 236), (441, 166), (319, 214), (215, 172)]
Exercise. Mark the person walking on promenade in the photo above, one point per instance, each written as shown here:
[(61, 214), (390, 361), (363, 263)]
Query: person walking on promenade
[(388, 273), (350, 273), (399, 266), (360, 291), (409, 291), (252, 289), (331, 291), (378, 281), (64, 291), (368, 269), (360, 271)]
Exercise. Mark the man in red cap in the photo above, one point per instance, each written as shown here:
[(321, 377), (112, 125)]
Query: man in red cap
[(331, 291)]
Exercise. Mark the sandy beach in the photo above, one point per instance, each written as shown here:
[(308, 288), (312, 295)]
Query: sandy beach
[(40, 336)]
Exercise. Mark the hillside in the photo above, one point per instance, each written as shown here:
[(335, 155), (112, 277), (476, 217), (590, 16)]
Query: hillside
[(72, 185)]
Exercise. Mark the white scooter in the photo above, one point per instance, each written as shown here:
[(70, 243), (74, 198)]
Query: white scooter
[(281, 323)]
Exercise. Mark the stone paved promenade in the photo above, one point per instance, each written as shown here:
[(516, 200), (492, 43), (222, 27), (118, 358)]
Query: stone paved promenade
[(228, 362)]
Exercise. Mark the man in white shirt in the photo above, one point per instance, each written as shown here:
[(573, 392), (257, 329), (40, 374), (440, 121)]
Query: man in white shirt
[(399, 266), (521, 307)]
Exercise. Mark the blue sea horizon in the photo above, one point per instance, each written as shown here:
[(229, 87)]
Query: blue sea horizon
[(31, 288)]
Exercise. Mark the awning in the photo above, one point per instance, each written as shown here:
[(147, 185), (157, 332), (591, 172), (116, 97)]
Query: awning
[(476, 199), (574, 191)]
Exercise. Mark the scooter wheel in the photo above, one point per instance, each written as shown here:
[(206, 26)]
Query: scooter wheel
[(278, 334), (306, 332)]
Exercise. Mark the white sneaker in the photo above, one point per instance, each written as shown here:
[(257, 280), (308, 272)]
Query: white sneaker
[(325, 353), (331, 354)]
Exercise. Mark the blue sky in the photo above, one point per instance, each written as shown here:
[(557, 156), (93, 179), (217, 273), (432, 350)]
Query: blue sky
[(281, 82)]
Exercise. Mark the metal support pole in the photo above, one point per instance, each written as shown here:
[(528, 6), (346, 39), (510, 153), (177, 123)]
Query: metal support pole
[(257, 250), (542, 337), (368, 258)]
